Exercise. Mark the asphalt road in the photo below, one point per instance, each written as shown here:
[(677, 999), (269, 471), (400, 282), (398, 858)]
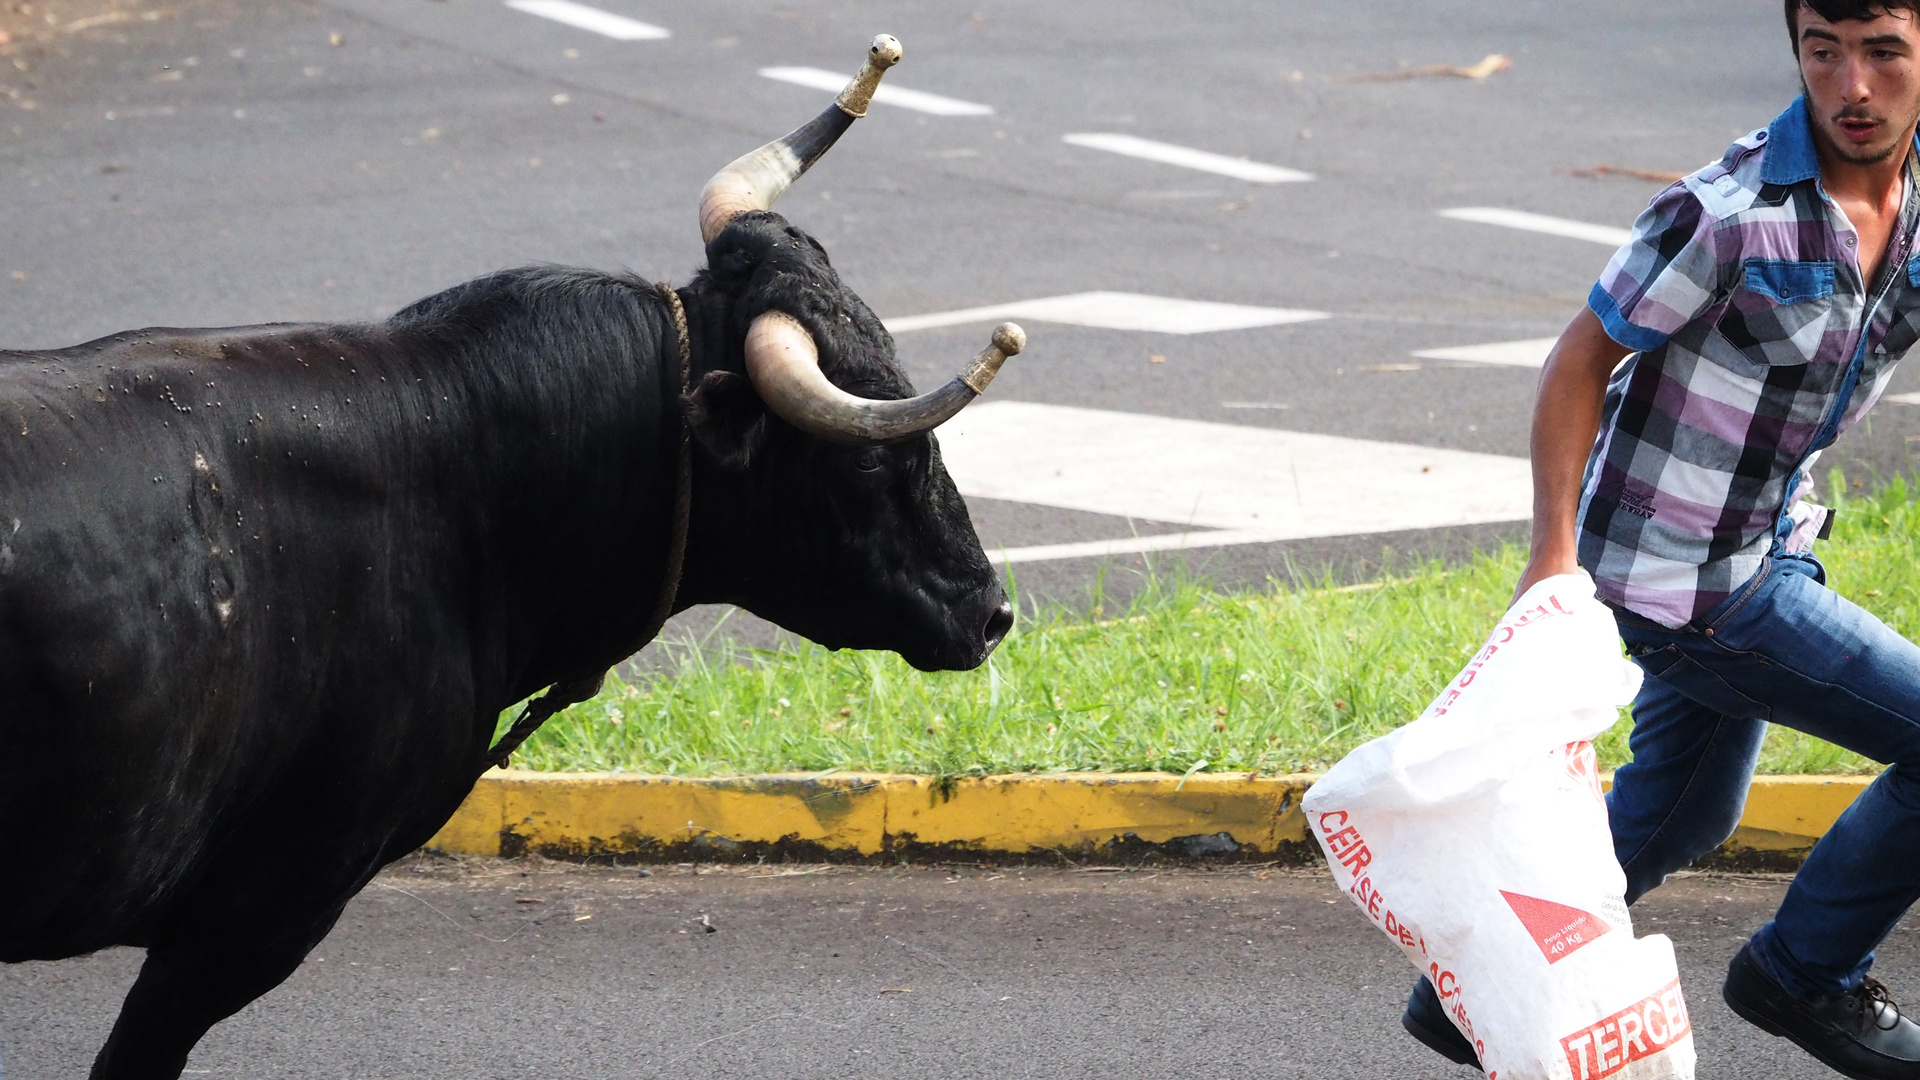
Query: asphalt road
[(230, 163), (456, 971)]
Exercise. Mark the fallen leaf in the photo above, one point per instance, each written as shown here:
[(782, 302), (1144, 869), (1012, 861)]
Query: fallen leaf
[(1649, 175), (1156, 359), (900, 990), (1493, 62), (92, 21)]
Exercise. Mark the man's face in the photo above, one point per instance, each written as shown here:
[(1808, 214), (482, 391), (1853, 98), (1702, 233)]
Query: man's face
[(1862, 78)]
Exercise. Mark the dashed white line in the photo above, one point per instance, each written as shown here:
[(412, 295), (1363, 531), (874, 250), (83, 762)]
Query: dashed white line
[(1116, 311), (1902, 399), (887, 94), (1531, 353), (1540, 223), (1169, 154), (1254, 485), (582, 17)]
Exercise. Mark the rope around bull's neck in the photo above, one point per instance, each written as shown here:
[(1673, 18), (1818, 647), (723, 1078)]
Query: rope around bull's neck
[(562, 694)]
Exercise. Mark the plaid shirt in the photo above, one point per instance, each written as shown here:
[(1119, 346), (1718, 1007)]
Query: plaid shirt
[(1758, 343)]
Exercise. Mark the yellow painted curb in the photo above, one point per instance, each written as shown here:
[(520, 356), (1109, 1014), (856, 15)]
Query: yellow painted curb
[(1787, 814), (574, 815), (581, 814)]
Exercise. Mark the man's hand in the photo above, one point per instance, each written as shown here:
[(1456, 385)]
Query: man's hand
[(1566, 419)]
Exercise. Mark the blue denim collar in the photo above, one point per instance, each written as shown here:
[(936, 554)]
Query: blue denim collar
[(1790, 156)]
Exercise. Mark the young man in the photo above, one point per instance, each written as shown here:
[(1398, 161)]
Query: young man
[(1760, 307)]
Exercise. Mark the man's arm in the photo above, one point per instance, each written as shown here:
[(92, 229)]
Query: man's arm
[(1566, 420)]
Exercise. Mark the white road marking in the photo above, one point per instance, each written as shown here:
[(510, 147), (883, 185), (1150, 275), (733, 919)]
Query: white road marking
[(580, 16), (887, 94), (1168, 154), (1540, 223), (1255, 485), (1902, 399), (1116, 311), (1531, 353), (1132, 545)]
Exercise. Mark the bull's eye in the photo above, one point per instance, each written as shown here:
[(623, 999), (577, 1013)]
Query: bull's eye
[(871, 460)]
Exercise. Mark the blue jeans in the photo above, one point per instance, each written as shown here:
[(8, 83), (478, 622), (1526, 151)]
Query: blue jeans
[(1786, 649)]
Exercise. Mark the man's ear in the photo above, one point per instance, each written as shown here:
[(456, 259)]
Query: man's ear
[(727, 418)]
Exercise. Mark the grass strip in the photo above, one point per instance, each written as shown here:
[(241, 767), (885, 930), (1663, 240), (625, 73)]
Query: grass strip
[(1183, 679)]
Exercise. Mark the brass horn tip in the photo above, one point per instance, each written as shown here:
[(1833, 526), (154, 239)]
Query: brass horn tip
[(885, 51), (1009, 338)]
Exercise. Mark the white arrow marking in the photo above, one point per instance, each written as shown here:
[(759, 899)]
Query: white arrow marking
[(1116, 311), (1253, 485)]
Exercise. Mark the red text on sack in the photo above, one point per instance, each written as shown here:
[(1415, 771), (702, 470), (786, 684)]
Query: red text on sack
[(1638, 1031)]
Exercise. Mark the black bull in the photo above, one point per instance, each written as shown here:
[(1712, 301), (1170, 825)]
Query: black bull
[(264, 591)]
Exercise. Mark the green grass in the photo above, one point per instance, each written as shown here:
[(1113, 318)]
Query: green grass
[(1183, 678)]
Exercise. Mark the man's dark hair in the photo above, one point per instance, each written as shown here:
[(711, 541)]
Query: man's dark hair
[(1843, 10)]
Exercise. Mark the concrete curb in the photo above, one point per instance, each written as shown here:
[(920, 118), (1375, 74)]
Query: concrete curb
[(1102, 817)]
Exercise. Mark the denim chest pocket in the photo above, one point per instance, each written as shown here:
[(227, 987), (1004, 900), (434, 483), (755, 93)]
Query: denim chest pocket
[(1903, 324), (1787, 283), (1783, 314)]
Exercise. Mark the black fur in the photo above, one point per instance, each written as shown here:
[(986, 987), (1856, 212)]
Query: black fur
[(263, 591)]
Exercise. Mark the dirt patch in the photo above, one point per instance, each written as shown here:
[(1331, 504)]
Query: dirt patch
[(26, 22), (31, 29), (1211, 849)]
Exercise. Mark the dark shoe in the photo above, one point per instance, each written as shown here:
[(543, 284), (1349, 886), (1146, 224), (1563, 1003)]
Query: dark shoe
[(1427, 1021), (1861, 1034)]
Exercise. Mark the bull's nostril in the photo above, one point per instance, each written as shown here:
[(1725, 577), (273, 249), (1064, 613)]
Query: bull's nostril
[(998, 623)]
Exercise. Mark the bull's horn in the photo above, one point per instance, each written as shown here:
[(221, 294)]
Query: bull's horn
[(784, 365), (754, 181)]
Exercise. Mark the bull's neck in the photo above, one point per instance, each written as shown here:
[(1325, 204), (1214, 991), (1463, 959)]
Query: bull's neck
[(570, 453)]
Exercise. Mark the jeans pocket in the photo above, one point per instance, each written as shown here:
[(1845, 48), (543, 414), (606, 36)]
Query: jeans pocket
[(1725, 614), (1671, 665)]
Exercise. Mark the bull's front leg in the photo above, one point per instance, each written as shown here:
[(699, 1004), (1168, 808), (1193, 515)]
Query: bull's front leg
[(201, 973)]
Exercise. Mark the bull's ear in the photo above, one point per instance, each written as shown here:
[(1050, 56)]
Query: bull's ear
[(727, 418)]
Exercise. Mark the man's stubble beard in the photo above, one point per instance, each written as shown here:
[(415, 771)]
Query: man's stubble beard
[(1840, 149)]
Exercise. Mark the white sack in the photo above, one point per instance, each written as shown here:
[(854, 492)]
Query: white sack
[(1476, 838)]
